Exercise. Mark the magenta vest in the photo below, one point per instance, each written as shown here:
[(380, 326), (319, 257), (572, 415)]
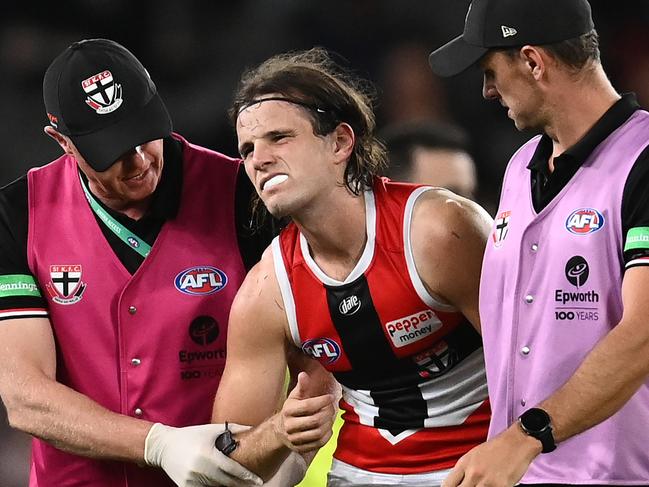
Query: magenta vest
[(151, 345), (550, 291)]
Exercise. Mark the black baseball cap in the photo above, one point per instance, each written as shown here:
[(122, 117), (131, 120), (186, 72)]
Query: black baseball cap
[(97, 93), (510, 23)]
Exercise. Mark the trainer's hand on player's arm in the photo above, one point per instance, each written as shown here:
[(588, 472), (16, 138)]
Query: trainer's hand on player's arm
[(499, 462), (305, 423), (190, 459)]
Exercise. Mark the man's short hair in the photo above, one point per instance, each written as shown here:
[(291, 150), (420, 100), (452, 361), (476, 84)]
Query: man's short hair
[(401, 139)]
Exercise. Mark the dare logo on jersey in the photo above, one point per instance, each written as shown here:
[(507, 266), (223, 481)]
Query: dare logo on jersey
[(324, 350), (584, 221), (349, 305), (200, 280), (412, 328)]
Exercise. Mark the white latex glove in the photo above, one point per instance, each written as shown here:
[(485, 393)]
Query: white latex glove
[(190, 459)]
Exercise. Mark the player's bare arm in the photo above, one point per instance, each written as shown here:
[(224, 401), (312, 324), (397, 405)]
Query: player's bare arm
[(37, 404), (258, 347), (448, 235)]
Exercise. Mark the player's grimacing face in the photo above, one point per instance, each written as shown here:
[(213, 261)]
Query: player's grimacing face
[(286, 161)]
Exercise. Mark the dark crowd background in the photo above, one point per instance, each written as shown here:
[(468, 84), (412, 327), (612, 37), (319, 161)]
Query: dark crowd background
[(195, 51)]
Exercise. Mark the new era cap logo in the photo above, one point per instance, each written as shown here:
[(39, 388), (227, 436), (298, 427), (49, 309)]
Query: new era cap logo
[(508, 31)]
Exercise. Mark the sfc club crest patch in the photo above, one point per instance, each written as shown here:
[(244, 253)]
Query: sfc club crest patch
[(501, 228), (65, 286), (104, 94)]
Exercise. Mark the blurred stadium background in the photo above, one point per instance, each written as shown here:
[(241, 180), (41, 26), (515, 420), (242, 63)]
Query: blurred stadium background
[(195, 51)]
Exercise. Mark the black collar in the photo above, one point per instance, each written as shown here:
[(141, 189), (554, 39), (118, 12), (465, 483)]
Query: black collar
[(578, 153)]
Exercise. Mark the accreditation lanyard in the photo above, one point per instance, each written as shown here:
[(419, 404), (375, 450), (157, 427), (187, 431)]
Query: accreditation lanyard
[(123, 233)]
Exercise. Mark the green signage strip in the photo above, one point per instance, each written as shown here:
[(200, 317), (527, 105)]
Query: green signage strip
[(18, 285), (637, 238)]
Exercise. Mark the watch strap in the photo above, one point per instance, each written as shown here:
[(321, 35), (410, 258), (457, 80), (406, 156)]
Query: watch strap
[(544, 435), (225, 442)]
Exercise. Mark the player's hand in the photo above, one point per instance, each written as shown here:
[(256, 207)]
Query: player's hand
[(305, 423), (190, 459), (500, 462)]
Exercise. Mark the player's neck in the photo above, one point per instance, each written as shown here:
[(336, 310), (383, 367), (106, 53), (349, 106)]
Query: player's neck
[(337, 235)]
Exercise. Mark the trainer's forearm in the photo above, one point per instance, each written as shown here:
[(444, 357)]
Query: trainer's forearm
[(596, 392), (74, 423)]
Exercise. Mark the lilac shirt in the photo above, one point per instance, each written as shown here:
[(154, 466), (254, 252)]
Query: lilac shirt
[(550, 291)]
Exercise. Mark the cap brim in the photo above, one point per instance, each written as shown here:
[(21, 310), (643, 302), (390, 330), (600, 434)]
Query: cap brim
[(455, 56), (102, 148)]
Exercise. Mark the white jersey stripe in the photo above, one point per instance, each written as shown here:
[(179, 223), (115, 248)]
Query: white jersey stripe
[(363, 405), (450, 398), (20, 313), (421, 290), (454, 396), (285, 289), (342, 475)]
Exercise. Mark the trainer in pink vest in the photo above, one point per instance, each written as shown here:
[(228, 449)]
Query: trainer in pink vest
[(149, 345)]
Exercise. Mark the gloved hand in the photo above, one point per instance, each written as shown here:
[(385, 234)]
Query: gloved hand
[(189, 457)]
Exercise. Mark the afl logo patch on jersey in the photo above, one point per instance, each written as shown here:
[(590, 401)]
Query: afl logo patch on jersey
[(200, 280), (324, 350), (584, 221), (349, 305)]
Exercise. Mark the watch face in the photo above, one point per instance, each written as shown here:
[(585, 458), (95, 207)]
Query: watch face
[(535, 420)]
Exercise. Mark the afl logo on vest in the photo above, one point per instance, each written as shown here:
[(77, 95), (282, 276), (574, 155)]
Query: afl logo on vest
[(584, 221), (324, 350), (200, 280), (349, 305)]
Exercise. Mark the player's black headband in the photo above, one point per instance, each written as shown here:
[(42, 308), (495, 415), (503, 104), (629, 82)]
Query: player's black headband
[(309, 106)]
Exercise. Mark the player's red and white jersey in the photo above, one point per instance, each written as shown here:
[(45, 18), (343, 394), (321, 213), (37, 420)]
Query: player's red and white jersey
[(412, 369)]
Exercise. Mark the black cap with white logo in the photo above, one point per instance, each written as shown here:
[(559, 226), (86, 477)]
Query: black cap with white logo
[(97, 93), (511, 23)]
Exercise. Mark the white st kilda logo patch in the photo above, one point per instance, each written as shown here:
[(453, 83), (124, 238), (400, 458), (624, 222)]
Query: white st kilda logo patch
[(104, 94), (65, 286), (501, 228)]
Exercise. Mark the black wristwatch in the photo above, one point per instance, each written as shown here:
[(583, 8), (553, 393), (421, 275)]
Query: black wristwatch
[(536, 423), (225, 442)]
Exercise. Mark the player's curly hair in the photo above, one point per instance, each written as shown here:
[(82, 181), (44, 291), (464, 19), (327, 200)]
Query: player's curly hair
[(331, 95)]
